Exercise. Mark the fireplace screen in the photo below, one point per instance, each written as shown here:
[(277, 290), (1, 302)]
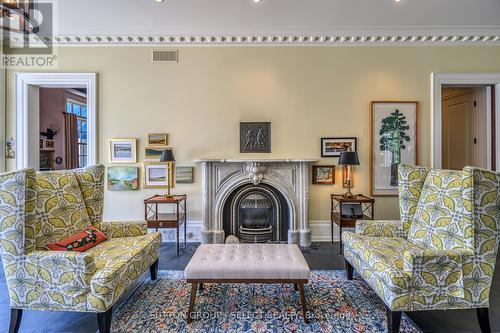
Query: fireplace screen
[(256, 214), (256, 218)]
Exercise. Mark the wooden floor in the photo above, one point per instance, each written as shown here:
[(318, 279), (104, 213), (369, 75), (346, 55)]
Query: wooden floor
[(321, 256)]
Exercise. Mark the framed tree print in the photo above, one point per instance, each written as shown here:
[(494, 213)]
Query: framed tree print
[(394, 140)]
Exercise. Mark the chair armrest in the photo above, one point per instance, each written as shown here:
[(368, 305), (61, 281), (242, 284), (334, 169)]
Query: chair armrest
[(436, 271), (61, 267), (380, 228), (117, 229)]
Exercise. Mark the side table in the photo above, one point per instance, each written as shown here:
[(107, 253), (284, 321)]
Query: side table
[(172, 220), (337, 200)]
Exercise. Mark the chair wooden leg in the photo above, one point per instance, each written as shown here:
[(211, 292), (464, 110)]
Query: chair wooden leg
[(303, 302), (348, 270), (104, 320), (153, 270), (201, 287), (192, 298), (15, 320), (393, 320), (484, 319), (296, 287)]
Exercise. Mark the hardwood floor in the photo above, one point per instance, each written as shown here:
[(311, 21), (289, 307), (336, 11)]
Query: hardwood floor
[(320, 256)]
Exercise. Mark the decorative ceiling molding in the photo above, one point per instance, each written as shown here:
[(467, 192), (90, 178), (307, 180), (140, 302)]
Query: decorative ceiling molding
[(270, 40)]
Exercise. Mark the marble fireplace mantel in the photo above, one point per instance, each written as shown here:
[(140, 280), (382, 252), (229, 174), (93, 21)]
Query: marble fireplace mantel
[(220, 177)]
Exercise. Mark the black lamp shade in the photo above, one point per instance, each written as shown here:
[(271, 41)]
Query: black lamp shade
[(348, 158), (167, 156)]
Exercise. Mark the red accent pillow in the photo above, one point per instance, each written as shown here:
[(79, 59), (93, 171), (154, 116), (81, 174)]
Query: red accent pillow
[(80, 242)]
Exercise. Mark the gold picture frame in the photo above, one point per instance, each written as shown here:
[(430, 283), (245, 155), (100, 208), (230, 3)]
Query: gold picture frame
[(157, 139), (383, 176), (123, 150), (148, 182), (154, 152)]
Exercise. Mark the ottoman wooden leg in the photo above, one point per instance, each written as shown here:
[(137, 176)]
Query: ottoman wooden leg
[(295, 287), (200, 288), (303, 302), (192, 298)]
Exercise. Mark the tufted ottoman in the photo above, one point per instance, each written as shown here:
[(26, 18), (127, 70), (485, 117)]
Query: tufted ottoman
[(247, 263)]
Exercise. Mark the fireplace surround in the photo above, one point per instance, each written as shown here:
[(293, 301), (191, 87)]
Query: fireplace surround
[(255, 200)]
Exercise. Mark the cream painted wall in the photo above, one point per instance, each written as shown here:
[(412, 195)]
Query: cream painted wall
[(306, 92)]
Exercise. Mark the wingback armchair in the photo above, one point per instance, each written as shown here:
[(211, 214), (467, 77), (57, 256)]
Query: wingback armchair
[(441, 254), (38, 208)]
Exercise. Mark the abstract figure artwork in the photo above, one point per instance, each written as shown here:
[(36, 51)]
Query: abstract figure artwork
[(255, 137)]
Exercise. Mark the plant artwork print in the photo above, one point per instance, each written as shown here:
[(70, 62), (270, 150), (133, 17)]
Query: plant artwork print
[(393, 141), (393, 137)]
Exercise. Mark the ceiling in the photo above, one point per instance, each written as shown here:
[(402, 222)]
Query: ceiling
[(282, 17)]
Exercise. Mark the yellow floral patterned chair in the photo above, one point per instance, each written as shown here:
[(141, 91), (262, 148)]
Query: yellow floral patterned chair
[(38, 208), (441, 254)]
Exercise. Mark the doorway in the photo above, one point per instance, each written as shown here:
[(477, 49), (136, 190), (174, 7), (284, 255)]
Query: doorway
[(483, 124), (55, 120), (463, 127), (63, 128)]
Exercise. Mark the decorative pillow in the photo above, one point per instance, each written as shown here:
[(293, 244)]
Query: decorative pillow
[(80, 242)]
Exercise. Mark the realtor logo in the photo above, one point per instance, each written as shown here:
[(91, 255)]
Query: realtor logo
[(26, 30)]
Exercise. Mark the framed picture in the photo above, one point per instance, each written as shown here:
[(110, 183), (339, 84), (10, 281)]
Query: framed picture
[(184, 175), (123, 150), (393, 140), (123, 178), (255, 137), (344, 177), (157, 139), (49, 144), (323, 174), (155, 175), (332, 147), (152, 152)]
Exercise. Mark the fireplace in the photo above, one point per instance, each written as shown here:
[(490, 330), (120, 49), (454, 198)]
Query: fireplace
[(256, 214), (255, 200)]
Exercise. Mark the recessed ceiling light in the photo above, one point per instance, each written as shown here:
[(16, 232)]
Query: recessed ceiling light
[(159, 0), (257, 1)]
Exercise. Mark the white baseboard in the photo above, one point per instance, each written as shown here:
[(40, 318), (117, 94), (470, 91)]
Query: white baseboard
[(320, 232), (192, 232)]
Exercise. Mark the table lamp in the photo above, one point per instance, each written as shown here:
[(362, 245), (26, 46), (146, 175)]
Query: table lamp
[(168, 156), (349, 158)]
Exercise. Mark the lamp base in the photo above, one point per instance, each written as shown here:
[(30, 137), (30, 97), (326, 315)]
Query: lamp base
[(168, 196), (349, 194)]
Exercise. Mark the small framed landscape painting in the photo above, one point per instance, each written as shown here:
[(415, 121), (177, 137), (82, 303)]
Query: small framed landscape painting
[(323, 174), (184, 175), (153, 152), (123, 150), (123, 178), (155, 175), (393, 140), (332, 147), (157, 139)]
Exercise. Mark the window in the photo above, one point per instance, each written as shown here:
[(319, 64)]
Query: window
[(80, 110)]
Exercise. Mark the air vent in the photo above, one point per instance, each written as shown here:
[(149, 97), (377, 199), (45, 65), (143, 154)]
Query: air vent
[(165, 56)]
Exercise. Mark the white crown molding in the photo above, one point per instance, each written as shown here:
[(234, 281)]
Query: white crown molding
[(274, 40)]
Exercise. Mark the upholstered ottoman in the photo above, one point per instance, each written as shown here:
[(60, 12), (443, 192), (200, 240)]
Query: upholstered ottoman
[(247, 263)]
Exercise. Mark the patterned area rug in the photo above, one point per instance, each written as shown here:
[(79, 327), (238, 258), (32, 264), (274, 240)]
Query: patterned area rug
[(334, 304)]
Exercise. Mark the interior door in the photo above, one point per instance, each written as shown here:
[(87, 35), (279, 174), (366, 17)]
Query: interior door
[(459, 128)]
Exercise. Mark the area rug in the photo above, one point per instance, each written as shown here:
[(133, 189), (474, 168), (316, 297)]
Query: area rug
[(334, 304)]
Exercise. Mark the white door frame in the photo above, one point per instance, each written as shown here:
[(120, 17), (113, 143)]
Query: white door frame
[(53, 80), (437, 82)]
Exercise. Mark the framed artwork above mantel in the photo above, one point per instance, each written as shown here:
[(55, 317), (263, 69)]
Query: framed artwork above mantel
[(393, 140)]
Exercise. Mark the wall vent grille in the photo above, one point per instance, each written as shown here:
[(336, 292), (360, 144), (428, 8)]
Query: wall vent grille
[(165, 56)]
